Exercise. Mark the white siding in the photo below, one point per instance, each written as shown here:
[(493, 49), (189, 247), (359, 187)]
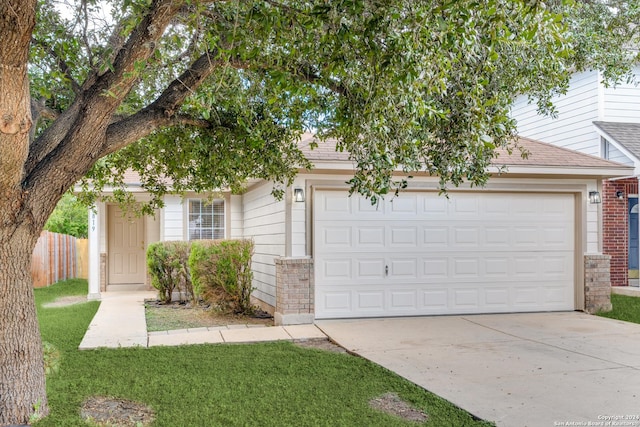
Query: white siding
[(235, 210), (622, 102), (573, 127), (264, 221), (616, 155), (172, 219)]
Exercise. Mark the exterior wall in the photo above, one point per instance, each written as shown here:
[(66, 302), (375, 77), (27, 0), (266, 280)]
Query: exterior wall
[(295, 291), (172, 219), (615, 229), (573, 127), (235, 219), (597, 284), (264, 221), (622, 102), (616, 155)]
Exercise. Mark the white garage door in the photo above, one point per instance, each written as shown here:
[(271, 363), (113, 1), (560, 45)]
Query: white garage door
[(476, 252)]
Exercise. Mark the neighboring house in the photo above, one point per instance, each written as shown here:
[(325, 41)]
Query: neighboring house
[(604, 122), (529, 241)]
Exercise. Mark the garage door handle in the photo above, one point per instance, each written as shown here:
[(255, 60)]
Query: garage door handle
[(386, 270)]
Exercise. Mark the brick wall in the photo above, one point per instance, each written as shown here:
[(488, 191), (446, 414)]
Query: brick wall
[(615, 229), (597, 283), (294, 291)]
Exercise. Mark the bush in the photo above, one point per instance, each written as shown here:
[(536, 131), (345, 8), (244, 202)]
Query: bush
[(221, 272), (168, 268)]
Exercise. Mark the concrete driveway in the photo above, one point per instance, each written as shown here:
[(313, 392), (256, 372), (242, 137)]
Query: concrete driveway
[(542, 369)]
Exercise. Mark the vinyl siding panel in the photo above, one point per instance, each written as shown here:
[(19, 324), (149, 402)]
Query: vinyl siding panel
[(236, 217), (173, 219), (622, 102), (617, 156), (264, 222), (572, 128)]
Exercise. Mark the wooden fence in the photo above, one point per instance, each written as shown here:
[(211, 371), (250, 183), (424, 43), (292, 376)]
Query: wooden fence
[(58, 257)]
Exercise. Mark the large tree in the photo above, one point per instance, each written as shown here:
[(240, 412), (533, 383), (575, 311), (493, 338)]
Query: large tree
[(212, 92)]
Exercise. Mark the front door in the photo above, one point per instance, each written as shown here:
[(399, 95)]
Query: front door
[(634, 256), (126, 257)]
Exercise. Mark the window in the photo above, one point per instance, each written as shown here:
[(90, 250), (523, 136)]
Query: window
[(206, 219), (605, 149)]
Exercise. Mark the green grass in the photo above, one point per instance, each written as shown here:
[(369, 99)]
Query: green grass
[(624, 308), (273, 384)]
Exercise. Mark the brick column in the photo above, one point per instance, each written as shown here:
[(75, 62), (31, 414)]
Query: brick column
[(597, 283), (294, 291), (103, 272), (616, 229)]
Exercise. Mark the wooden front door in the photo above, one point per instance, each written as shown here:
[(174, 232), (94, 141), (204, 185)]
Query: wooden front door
[(126, 256)]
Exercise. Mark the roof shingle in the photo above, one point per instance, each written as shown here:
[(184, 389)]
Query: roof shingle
[(539, 154)]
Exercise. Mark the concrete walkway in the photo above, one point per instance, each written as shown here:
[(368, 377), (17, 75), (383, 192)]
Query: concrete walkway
[(120, 322)]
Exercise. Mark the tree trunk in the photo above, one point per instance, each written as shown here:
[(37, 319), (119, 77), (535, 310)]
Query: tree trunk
[(22, 379)]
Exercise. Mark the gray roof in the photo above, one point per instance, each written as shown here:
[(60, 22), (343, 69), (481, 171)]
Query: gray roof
[(625, 134)]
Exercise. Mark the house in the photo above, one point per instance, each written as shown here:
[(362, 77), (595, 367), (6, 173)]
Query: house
[(604, 122), (529, 241)]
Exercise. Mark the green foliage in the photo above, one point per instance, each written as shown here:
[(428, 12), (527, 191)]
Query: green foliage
[(70, 217), (51, 358), (167, 263), (404, 85), (221, 272)]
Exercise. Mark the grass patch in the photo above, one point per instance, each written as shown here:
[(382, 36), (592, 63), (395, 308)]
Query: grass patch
[(271, 384), (625, 308)]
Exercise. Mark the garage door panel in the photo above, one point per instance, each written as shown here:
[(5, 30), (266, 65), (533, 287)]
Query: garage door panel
[(497, 298), (371, 236), (402, 300), (434, 300), (403, 237), (473, 253), (403, 206), (369, 268), (334, 204), (403, 268), (337, 237), (336, 269)]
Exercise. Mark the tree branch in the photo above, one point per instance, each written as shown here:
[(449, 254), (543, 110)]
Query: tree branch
[(61, 63), (162, 111), (40, 110), (68, 134), (142, 124)]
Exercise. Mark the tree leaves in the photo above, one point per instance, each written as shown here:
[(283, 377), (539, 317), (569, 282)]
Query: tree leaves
[(405, 86)]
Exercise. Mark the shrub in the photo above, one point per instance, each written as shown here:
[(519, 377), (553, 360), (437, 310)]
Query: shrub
[(221, 272), (168, 268)]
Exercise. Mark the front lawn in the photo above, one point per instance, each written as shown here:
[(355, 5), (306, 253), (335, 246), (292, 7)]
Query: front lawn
[(273, 384), (624, 308)]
